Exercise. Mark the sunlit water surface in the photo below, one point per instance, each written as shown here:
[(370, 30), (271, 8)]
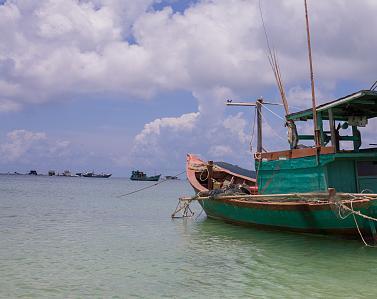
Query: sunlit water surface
[(76, 237)]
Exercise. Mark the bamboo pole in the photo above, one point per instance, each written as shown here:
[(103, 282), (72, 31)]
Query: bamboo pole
[(315, 120), (259, 103)]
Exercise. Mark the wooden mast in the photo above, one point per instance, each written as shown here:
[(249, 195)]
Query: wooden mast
[(315, 119), (259, 104)]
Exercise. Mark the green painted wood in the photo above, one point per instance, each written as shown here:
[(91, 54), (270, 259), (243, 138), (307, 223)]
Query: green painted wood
[(363, 103), (361, 155), (306, 137), (368, 184), (341, 175), (303, 220), (293, 175), (306, 175)]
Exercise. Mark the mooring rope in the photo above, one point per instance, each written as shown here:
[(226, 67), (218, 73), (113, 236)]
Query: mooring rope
[(150, 186), (358, 213), (206, 178)]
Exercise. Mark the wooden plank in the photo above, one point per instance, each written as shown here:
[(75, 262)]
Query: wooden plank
[(311, 195), (297, 153)]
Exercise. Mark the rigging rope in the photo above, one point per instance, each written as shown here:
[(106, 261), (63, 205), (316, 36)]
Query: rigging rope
[(290, 106), (272, 129), (352, 212), (277, 115), (374, 86), (253, 131), (147, 187)]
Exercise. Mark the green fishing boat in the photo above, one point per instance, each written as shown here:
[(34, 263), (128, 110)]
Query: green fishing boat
[(327, 186), (323, 189)]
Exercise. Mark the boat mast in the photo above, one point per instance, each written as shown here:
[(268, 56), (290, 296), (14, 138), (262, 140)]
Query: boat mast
[(315, 119), (258, 106)]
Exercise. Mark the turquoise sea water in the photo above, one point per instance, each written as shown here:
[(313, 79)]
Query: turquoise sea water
[(76, 238)]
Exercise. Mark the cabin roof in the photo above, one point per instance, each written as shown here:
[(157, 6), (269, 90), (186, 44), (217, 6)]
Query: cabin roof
[(361, 103)]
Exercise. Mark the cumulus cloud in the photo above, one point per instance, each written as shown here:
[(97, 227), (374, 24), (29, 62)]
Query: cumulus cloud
[(7, 105), (219, 151), (209, 132), (26, 146), (52, 50), (237, 126), (19, 142)]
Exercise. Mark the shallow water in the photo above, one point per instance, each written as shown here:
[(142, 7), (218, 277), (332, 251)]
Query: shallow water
[(75, 237)]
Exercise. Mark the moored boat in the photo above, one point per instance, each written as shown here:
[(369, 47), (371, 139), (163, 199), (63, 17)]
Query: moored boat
[(325, 189), (141, 176), (96, 175), (205, 176)]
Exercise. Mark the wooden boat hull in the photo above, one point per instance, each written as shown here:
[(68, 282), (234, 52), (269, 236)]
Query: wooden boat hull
[(195, 167), (301, 217), (314, 216)]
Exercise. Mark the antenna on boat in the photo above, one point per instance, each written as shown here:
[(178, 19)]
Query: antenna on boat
[(315, 120)]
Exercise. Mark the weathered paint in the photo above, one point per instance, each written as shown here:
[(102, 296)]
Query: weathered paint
[(293, 175), (307, 175), (305, 217), (291, 214)]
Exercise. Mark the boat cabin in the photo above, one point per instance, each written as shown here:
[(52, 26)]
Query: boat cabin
[(341, 161)]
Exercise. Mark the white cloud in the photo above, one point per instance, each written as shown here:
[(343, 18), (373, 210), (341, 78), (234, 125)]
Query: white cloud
[(51, 50), (20, 142), (237, 126), (300, 98), (184, 123), (7, 105), (219, 151), (26, 146), (166, 141)]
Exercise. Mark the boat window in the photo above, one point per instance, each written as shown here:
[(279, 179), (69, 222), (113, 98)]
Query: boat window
[(367, 168)]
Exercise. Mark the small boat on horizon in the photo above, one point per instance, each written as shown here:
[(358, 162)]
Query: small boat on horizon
[(94, 175), (141, 176)]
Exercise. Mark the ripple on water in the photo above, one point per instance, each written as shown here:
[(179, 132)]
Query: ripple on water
[(73, 238)]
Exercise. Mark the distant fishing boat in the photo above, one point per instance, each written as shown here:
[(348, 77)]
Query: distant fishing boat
[(94, 175), (171, 177), (66, 173), (33, 172), (141, 176)]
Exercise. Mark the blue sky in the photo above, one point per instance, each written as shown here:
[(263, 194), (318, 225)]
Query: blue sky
[(110, 85)]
